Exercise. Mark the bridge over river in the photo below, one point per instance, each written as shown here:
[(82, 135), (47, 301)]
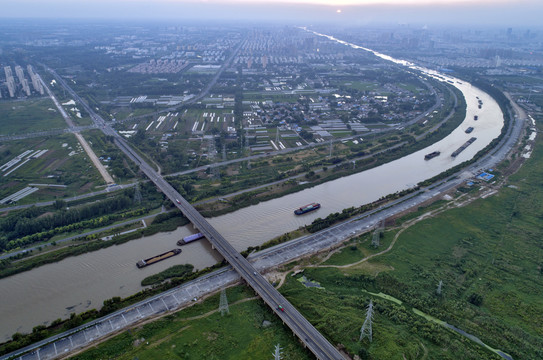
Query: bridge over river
[(291, 317), (307, 333)]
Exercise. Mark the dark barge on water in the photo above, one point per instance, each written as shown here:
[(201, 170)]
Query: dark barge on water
[(155, 259), (431, 155), (463, 147)]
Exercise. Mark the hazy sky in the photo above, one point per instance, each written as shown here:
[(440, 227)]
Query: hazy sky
[(496, 12)]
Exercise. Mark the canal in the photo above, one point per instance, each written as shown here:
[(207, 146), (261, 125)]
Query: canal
[(83, 282)]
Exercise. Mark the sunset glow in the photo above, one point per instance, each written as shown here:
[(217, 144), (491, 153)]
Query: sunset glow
[(366, 2), (294, 11)]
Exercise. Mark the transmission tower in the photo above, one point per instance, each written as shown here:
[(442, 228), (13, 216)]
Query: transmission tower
[(365, 330), (375, 241), (137, 194), (438, 290), (277, 353), (223, 304)]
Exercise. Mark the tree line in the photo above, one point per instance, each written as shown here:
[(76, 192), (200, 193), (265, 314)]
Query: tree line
[(36, 220)]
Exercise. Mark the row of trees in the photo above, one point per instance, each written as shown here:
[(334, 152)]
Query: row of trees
[(85, 224), (35, 220)]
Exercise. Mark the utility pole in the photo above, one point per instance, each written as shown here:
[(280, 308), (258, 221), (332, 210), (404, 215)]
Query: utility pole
[(365, 330)]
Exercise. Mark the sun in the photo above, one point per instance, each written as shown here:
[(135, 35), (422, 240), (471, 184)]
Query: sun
[(338, 11)]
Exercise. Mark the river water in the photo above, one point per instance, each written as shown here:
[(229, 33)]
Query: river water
[(83, 282)]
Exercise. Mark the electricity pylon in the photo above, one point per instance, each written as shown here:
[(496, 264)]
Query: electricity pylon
[(223, 304), (365, 330), (375, 241), (277, 353)]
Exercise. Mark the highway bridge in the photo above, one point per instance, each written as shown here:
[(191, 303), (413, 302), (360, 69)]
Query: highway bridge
[(307, 333)]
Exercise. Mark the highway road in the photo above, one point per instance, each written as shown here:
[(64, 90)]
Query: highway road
[(283, 253), (315, 341), (307, 333)]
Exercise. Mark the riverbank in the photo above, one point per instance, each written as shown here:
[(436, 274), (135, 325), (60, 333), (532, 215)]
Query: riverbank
[(103, 277), (346, 229), (398, 328), (332, 168), (469, 249)]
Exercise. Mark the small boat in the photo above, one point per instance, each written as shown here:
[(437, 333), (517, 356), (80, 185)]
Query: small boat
[(431, 155), (190, 238), (307, 208)]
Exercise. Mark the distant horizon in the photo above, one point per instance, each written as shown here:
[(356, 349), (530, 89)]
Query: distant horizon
[(504, 13)]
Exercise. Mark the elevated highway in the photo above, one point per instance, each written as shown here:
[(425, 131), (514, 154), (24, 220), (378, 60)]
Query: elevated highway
[(307, 333)]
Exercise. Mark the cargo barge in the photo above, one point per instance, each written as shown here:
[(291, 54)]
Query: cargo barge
[(431, 155), (307, 208), (463, 147), (190, 238), (468, 130), (155, 259)]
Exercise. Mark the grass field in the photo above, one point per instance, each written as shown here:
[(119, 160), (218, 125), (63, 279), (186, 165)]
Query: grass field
[(65, 163), (29, 116), (488, 255), (200, 332)]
